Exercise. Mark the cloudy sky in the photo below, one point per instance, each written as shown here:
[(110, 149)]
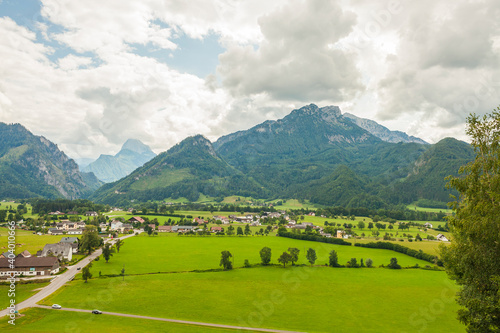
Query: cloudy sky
[(90, 74)]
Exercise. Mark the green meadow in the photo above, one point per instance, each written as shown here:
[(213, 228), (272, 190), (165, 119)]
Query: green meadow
[(317, 299), (431, 210), (26, 240), (23, 291), (172, 253), (45, 321)]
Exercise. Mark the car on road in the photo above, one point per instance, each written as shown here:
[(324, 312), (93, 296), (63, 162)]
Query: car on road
[(96, 312), (78, 268), (56, 306)]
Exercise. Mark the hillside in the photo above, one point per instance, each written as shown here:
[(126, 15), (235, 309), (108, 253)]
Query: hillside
[(313, 153), (188, 169), (32, 166), (109, 168), (383, 132), (426, 179)]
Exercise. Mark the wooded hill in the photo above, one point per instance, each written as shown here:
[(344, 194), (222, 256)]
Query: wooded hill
[(313, 153)]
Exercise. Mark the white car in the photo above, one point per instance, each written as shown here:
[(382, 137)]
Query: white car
[(56, 306)]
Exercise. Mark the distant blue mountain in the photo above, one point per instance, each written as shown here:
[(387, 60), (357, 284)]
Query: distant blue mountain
[(132, 155)]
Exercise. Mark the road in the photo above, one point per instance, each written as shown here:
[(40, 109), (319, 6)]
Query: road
[(174, 320), (59, 280)]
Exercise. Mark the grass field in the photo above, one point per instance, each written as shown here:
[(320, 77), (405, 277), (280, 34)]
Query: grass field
[(23, 291), (431, 247), (318, 299), (26, 240), (45, 321), (431, 210), (172, 253)]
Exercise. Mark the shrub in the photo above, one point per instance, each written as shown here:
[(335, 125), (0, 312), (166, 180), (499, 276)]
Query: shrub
[(394, 264), (369, 263), (353, 263), (247, 263)]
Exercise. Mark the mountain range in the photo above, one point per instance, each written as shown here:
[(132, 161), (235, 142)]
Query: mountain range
[(109, 168), (313, 153), (32, 166)]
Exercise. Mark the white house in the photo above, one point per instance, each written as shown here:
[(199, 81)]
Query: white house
[(428, 225), (59, 250), (115, 225), (442, 238)]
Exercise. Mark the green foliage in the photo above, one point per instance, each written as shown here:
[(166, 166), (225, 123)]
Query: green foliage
[(107, 252), (394, 264), (119, 243), (90, 239), (399, 248), (265, 255), (472, 258), (314, 238), (294, 254), (225, 260), (333, 259), (86, 275), (311, 256), (285, 258), (353, 263), (369, 263)]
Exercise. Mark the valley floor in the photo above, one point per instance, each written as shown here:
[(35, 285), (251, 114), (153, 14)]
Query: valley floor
[(190, 286)]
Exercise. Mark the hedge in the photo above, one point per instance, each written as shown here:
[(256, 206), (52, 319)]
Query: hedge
[(313, 238), (401, 249)]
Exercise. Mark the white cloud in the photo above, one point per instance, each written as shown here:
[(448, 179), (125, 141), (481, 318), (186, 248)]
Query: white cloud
[(295, 61), (419, 66)]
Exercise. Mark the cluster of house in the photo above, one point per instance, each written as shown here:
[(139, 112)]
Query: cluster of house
[(46, 262), (340, 233), (67, 227), (89, 213)]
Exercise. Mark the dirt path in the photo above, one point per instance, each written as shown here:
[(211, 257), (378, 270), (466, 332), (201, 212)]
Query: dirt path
[(187, 322)]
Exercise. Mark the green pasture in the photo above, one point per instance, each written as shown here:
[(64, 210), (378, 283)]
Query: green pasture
[(171, 253), (317, 299), (23, 291), (430, 247), (430, 210), (26, 240), (45, 321)]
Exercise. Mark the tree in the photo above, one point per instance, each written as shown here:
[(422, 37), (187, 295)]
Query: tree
[(353, 263), (225, 260), (265, 255), (361, 225), (86, 275), (471, 258), (394, 264), (90, 239), (118, 244), (370, 225), (239, 231), (230, 230), (294, 253), (311, 256), (333, 260), (369, 263), (107, 252), (247, 230), (285, 258)]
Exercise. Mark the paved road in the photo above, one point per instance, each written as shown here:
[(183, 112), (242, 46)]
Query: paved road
[(175, 321), (58, 281)]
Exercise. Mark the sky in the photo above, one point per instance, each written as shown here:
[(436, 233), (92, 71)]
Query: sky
[(88, 75)]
